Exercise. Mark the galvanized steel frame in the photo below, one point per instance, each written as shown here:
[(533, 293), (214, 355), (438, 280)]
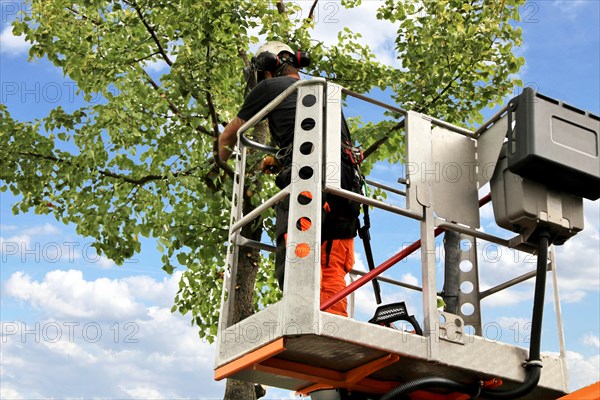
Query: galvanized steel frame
[(297, 315)]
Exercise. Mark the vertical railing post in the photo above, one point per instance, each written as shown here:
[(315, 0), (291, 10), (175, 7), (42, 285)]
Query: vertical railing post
[(301, 292), (558, 311), (428, 273), (230, 271)]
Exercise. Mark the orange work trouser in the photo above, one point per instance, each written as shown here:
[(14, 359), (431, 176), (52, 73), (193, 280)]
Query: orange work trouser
[(333, 275)]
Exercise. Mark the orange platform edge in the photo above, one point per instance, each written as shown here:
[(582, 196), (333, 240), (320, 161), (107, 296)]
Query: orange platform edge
[(591, 392)]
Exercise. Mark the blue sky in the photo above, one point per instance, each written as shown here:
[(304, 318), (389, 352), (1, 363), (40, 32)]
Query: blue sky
[(75, 325)]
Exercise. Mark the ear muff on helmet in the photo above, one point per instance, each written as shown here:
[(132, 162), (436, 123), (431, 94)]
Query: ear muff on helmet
[(266, 61), (301, 59)]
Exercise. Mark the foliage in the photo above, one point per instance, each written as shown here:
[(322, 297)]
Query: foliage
[(139, 163), (456, 59)]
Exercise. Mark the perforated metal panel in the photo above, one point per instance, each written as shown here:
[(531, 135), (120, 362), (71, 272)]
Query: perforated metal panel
[(468, 295), (303, 256)]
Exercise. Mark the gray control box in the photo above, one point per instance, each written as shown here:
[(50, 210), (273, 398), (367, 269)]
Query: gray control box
[(555, 144), (521, 205)]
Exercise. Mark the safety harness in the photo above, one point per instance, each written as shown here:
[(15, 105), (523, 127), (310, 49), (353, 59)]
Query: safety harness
[(355, 154)]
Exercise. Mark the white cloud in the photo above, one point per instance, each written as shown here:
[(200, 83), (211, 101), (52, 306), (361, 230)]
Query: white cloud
[(508, 297), (67, 294), (331, 18), (515, 331), (410, 279), (9, 393), (578, 259), (160, 293), (48, 244), (359, 265), (105, 262), (146, 354), (25, 245), (14, 245), (572, 296), (46, 229), (364, 303), (570, 9), (591, 340), (12, 45), (143, 392), (582, 371), (66, 348)]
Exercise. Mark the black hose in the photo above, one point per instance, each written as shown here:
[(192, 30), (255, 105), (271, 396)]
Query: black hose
[(538, 299), (451, 271), (533, 365), (428, 383)]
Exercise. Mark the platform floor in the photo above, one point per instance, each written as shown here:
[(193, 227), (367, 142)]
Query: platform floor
[(305, 363)]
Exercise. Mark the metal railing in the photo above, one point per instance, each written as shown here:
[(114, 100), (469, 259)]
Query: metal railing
[(441, 224)]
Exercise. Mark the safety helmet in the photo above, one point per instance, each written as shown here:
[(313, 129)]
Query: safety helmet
[(273, 56), (274, 47)]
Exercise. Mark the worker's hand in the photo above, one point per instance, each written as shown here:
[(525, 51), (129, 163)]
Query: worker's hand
[(270, 165)]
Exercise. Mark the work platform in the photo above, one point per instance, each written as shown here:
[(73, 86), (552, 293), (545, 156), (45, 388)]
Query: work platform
[(338, 356), (294, 344)]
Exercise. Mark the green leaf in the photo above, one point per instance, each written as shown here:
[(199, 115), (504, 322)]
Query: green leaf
[(168, 269), (182, 258)]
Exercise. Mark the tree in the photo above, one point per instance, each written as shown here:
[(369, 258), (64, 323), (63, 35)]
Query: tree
[(143, 161)]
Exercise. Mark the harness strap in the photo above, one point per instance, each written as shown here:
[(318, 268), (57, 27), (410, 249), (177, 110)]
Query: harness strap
[(354, 153), (365, 235)]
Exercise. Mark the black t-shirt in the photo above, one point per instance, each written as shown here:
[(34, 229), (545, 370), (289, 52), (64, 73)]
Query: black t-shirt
[(282, 118)]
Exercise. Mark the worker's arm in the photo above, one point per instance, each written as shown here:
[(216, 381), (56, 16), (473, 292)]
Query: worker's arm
[(228, 138)]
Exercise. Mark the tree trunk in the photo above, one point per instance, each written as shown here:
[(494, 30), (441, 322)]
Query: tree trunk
[(248, 262), (237, 390)]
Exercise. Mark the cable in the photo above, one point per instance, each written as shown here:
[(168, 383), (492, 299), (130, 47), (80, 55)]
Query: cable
[(533, 365), (428, 383)]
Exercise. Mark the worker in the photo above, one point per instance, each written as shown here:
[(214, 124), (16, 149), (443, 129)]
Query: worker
[(277, 68)]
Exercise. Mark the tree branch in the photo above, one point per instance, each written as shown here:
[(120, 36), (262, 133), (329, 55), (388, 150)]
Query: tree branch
[(375, 146), (215, 123), (242, 53), (152, 32), (137, 60), (156, 87), (135, 181), (280, 7), (172, 106), (311, 13), (83, 16), (145, 179)]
